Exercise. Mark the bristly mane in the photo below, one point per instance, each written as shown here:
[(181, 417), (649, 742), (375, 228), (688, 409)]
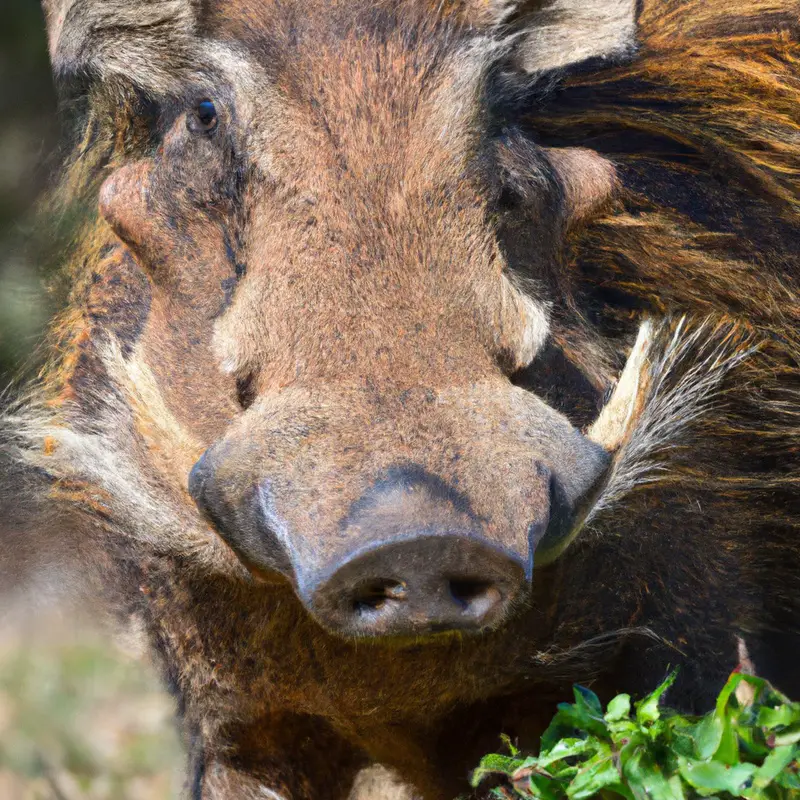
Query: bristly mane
[(704, 126)]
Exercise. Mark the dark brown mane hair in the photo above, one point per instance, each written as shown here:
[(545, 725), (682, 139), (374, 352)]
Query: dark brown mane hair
[(704, 126)]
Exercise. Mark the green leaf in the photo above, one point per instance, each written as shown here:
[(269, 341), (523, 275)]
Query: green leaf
[(789, 779), (647, 709), (506, 740), (628, 750), (498, 763), (707, 735), (544, 788), (712, 776), (572, 718), (789, 736), (774, 717), (647, 780), (586, 698), (566, 748), (624, 731), (619, 708), (596, 774), (773, 765), (494, 764), (682, 741), (729, 691), (715, 736), (587, 712), (728, 750)]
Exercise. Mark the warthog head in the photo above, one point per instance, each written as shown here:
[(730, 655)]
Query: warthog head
[(351, 251), (353, 326)]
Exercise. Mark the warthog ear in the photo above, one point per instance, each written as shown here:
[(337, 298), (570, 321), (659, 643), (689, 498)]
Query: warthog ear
[(150, 42), (560, 33)]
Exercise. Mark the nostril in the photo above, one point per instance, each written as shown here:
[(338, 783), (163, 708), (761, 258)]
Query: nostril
[(374, 596), (475, 597), (417, 586)]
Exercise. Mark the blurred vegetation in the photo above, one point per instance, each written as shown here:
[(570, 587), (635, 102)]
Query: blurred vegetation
[(81, 721), (28, 133)]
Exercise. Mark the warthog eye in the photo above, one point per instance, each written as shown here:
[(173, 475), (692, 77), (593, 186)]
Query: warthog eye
[(203, 118)]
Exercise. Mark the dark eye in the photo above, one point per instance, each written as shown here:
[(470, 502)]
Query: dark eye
[(508, 199), (203, 118)]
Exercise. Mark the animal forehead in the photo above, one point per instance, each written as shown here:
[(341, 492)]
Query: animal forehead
[(547, 34), (360, 92), (324, 51), (383, 54), (290, 24)]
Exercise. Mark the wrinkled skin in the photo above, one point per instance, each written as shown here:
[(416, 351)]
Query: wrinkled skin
[(383, 407)]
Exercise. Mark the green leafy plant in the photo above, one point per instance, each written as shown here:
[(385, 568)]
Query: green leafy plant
[(747, 747)]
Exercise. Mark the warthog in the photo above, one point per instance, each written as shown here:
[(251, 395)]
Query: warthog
[(419, 359)]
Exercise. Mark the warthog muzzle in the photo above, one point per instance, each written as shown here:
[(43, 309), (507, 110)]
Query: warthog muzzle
[(442, 541)]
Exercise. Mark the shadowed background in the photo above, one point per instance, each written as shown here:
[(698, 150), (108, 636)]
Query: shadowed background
[(28, 133)]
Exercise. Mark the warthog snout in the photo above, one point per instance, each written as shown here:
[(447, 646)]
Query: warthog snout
[(375, 545), (428, 566), (415, 560), (419, 583)]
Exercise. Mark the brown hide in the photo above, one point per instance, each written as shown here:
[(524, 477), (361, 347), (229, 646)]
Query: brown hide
[(515, 273), (371, 296)]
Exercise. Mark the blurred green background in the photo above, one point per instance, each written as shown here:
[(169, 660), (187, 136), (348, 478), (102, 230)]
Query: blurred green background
[(79, 718), (28, 134)]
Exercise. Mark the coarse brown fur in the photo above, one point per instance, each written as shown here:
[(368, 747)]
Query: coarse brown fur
[(421, 229)]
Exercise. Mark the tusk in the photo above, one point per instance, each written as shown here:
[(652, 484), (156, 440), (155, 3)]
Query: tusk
[(610, 430), (612, 426)]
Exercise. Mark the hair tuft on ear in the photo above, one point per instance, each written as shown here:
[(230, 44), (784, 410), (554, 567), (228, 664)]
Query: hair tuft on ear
[(553, 34), (150, 42)]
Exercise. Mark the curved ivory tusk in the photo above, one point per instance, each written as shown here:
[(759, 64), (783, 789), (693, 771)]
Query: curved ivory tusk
[(614, 422)]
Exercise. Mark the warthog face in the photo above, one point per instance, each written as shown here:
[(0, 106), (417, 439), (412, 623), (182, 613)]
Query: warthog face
[(351, 253), (361, 305)]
